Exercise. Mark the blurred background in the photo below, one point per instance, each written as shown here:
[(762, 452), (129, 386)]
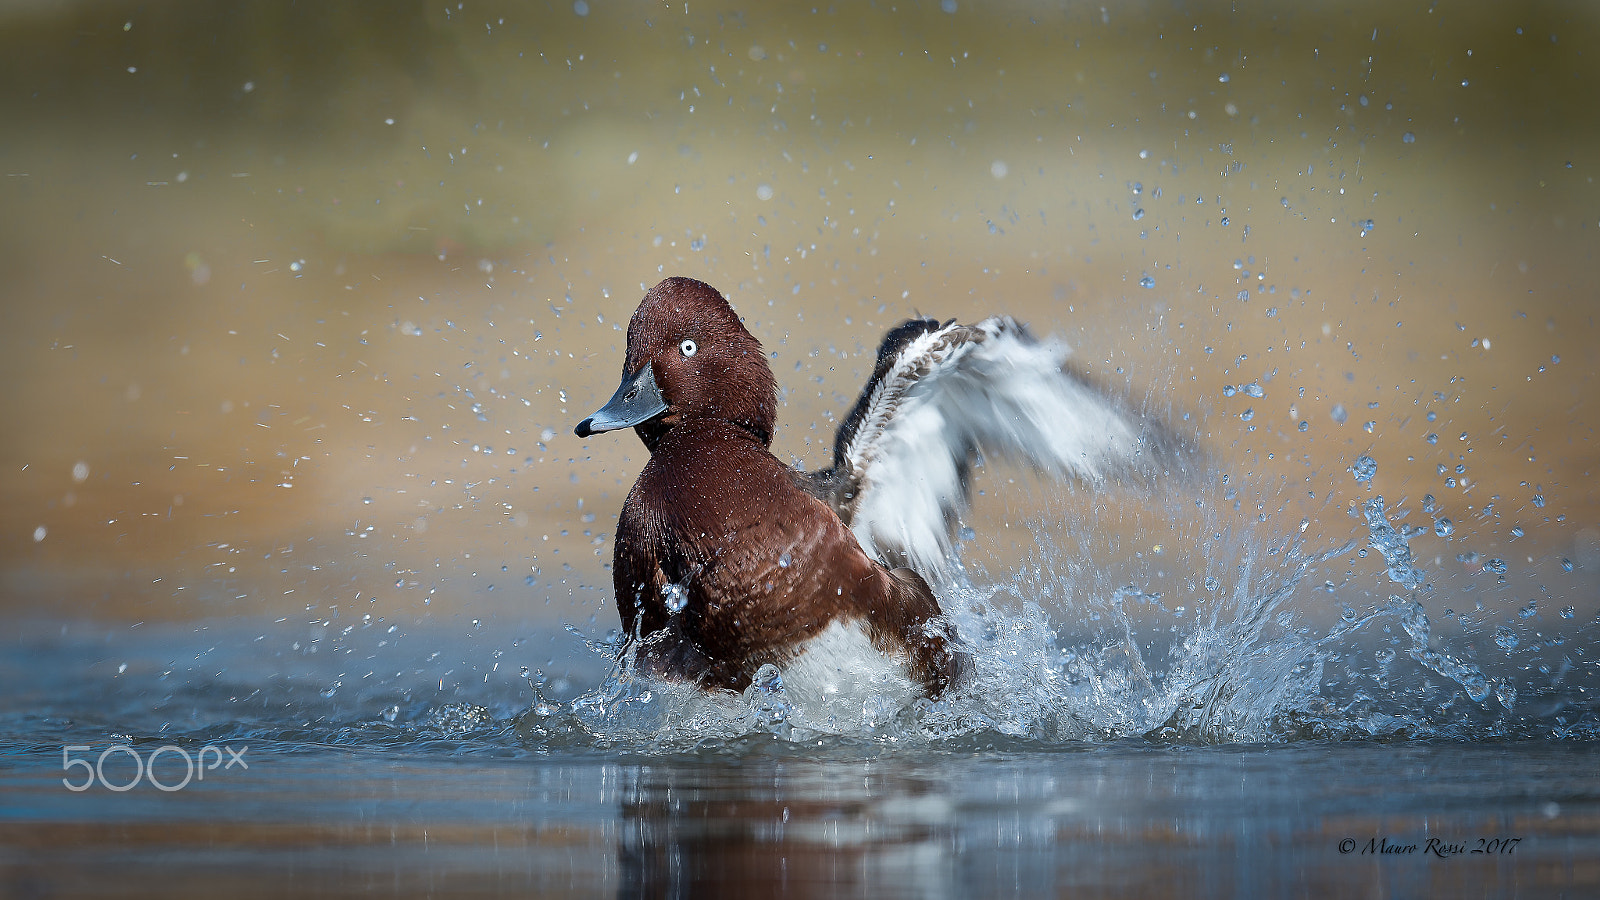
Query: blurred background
[(303, 301)]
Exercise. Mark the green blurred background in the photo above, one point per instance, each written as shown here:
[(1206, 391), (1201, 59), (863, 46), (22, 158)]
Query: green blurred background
[(303, 301)]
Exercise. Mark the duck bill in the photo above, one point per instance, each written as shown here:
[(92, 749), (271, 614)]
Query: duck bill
[(636, 401)]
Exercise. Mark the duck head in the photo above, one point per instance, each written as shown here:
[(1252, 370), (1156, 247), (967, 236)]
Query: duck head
[(689, 357)]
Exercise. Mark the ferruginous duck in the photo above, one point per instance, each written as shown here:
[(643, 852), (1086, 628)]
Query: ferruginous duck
[(726, 559)]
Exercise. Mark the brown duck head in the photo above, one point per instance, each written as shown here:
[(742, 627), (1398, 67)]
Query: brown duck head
[(689, 357)]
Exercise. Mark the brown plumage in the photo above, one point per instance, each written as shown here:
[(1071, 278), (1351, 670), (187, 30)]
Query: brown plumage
[(717, 524)]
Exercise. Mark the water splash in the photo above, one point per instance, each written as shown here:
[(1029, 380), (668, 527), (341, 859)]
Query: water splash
[(1062, 653), (1238, 674), (1392, 545), (1415, 621)]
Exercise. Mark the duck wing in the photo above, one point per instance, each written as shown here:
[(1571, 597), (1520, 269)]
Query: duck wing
[(942, 393)]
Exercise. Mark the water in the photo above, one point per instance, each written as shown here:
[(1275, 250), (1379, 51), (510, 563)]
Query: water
[(302, 308), (488, 795), (983, 822), (1215, 728)]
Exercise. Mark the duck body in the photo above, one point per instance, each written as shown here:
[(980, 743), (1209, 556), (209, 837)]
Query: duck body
[(759, 568), (727, 560)]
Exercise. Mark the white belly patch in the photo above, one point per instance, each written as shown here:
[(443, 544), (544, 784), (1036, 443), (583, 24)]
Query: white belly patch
[(839, 681)]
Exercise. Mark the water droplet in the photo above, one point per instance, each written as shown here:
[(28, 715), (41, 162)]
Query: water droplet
[(1254, 389), (1384, 656), (1473, 682), (783, 561), (1568, 612), (1516, 532), (1147, 282), (1408, 138), (1566, 565), (1338, 413), (1538, 501), (1529, 611), (1432, 438), (1138, 214), (675, 596), (1496, 565), (1212, 584), (1364, 468), (1229, 390), (1504, 691), (1444, 527), (1505, 638), (1248, 414), (1304, 425)]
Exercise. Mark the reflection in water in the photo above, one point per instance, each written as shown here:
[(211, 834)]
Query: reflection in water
[(816, 832), (1124, 822), (1117, 820)]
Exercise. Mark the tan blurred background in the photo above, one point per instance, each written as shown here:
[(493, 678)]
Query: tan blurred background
[(302, 302)]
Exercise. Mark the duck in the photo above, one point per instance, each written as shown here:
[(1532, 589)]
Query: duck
[(727, 560)]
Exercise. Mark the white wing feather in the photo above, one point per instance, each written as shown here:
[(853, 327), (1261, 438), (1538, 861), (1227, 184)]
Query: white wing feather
[(989, 387)]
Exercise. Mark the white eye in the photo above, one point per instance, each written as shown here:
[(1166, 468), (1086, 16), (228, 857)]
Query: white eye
[(688, 348)]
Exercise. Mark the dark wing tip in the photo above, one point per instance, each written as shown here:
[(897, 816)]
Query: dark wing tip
[(894, 342), (896, 338)]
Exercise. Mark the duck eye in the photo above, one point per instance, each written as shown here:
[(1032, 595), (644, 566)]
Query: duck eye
[(688, 348)]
